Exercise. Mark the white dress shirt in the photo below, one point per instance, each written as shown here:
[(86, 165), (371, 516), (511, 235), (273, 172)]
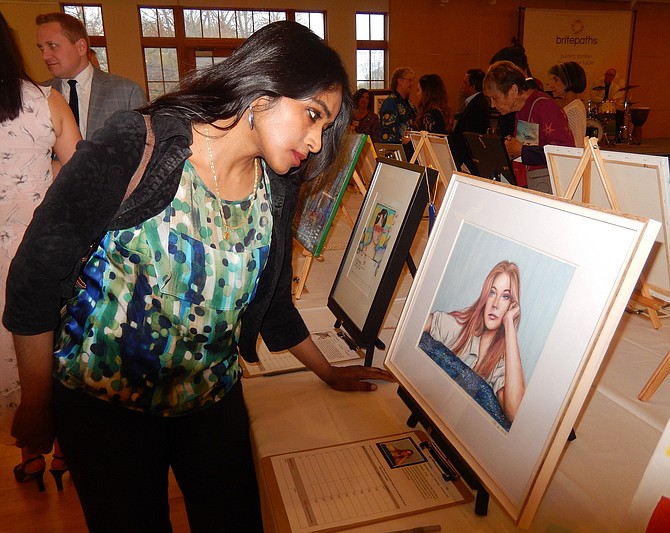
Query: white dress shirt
[(84, 80)]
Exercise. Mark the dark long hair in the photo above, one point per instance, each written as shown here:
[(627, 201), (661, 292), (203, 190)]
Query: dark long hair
[(12, 73), (282, 59), (433, 96)]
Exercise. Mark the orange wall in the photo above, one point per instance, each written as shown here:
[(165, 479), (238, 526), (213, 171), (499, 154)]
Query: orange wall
[(464, 34)]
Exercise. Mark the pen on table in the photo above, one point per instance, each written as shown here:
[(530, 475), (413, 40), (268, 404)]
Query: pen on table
[(421, 529), (283, 371)]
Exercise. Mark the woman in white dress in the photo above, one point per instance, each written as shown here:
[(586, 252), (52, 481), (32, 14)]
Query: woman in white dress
[(34, 123), (567, 81)]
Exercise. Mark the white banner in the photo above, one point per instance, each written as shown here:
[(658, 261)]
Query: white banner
[(597, 40)]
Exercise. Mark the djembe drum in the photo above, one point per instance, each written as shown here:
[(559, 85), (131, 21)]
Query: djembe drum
[(638, 116)]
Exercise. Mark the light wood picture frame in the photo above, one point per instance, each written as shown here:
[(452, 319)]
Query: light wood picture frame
[(576, 272)]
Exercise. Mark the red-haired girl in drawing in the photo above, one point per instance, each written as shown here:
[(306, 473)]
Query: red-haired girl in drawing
[(484, 335)]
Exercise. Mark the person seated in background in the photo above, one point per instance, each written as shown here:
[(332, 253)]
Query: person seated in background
[(434, 114), (517, 55), (397, 113), (606, 88), (365, 119), (475, 117), (539, 119), (608, 97), (567, 81)]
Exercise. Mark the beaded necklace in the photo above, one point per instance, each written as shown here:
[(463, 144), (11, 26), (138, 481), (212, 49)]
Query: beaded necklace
[(252, 196)]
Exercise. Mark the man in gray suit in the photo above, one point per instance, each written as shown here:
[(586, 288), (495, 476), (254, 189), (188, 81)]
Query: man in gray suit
[(94, 95)]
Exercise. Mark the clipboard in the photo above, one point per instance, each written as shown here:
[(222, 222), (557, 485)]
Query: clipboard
[(357, 483)]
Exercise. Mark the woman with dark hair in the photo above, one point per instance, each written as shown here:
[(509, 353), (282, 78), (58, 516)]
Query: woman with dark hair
[(34, 123), (484, 335), (365, 119), (141, 369), (538, 121), (567, 81), (434, 114)]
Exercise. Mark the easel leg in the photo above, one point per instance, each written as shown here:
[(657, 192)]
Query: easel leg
[(368, 355), (303, 276), (652, 309), (347, 215), (656, 379), (410, 265), (481, 503)]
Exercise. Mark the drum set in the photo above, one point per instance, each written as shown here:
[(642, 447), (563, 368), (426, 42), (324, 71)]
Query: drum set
[(604, 121)]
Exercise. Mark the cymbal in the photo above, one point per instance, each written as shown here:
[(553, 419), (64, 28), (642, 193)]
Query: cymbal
[(628, 87), (599, 88)]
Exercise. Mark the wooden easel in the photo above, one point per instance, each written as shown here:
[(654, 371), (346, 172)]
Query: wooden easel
[(365, 166), (309, 257), (424, 144), (641, 296)]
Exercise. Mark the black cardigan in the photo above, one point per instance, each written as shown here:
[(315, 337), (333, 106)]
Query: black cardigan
[(85, 201)]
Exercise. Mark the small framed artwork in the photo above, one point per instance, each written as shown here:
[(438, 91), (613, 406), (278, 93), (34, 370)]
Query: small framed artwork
[(506, 324), (379, 246), (378, 97), (391, 150), (320, 198)]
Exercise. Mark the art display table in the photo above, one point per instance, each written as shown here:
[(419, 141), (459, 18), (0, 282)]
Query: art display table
[(591, 490)]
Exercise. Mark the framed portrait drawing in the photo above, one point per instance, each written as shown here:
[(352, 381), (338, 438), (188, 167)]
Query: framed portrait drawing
[(320, 198), (379, 246), (641, 185), (507, 322)]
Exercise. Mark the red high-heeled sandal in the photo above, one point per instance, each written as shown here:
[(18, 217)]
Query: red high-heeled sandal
[(38, 475), (57, 473)]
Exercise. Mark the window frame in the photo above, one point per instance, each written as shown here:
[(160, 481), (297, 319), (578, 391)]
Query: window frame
[(188, 48), (372, 45), (94, 41)]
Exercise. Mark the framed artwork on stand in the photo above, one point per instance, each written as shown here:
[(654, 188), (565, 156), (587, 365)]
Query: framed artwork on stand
[(378, 248), (496, 343), (319, 202)]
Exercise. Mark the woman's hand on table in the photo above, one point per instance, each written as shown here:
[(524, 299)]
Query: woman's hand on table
[(355, 378)]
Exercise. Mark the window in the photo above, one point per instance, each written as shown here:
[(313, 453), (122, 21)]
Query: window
[(91, 16), (371, 46), (223, 24), (162, 71), (178, 40), (314, 20)]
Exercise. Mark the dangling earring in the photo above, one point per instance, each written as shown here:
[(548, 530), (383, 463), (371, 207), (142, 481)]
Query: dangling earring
[(251, 119)]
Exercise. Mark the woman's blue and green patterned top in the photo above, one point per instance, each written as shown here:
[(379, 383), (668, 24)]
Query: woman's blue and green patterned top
[(156, 327)]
